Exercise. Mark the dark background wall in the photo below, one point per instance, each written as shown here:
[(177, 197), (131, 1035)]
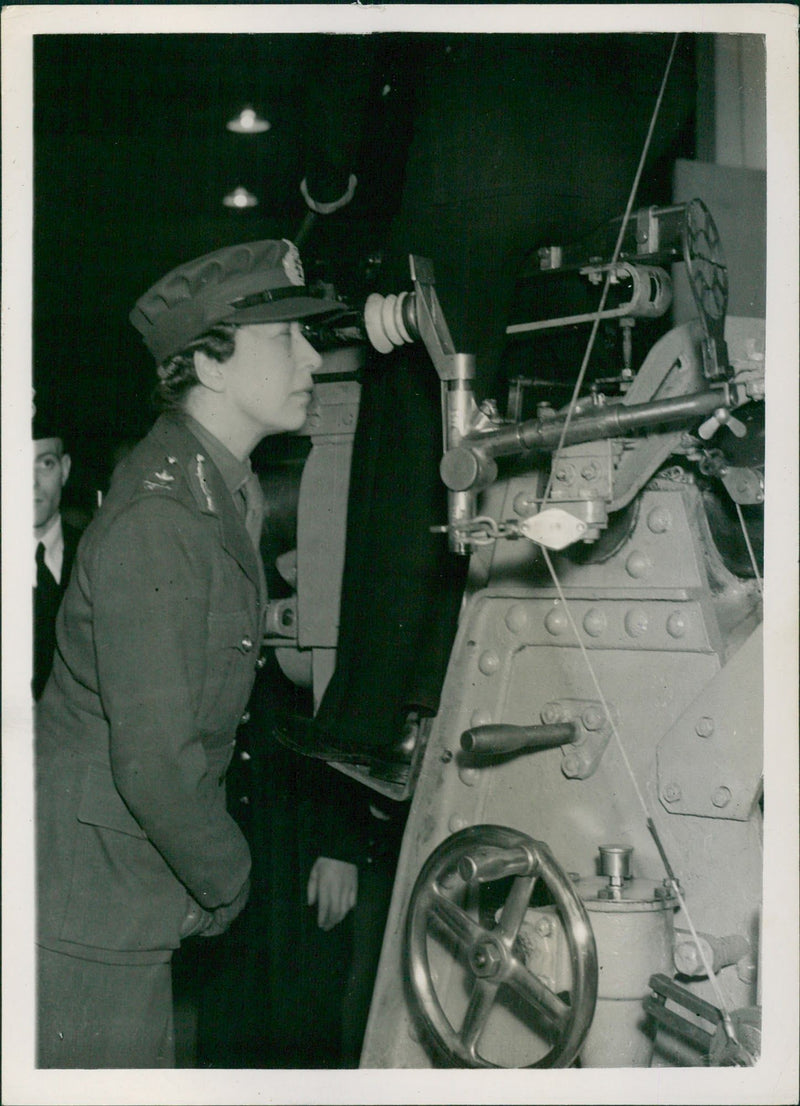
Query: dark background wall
[(509, 136)]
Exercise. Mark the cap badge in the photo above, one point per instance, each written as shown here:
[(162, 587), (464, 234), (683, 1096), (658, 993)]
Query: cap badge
[(292, 265)]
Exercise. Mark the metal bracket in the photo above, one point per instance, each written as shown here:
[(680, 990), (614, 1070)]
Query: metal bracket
[(594, 728)]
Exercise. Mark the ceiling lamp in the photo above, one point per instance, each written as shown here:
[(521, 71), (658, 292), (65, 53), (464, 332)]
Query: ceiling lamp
[(240, 198), (248, 121)]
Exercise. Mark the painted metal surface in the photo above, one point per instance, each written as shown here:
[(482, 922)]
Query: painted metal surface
[(647, 619)]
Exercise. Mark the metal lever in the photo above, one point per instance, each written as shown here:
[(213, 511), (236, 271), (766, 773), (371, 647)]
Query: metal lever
[(499, 739), (734, 1040)]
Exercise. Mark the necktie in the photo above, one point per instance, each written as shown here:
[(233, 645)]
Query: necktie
[(254, 510), (44, 577)]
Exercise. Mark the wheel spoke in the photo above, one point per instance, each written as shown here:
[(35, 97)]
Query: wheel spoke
[(453, 918), (529, 987), (480, 1006), (517, 903)]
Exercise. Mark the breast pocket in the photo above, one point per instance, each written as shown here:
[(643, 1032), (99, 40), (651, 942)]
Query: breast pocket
[(230, 667)]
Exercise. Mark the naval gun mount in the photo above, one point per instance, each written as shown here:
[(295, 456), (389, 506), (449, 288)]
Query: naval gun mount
[(604, 685)]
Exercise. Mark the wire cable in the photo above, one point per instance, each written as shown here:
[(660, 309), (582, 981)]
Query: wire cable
[(607, 284), (708, 967)]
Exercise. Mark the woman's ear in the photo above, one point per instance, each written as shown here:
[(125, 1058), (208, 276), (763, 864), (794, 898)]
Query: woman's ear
[(209, 371)]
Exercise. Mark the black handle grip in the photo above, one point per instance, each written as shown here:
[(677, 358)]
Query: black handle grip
[(500, 738)]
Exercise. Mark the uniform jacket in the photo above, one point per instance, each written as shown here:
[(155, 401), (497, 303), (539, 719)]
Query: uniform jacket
[(158, 639), (45, 609)]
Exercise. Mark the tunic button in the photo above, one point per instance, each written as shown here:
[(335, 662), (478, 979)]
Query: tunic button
[(261, 662), (245, 718), (247, 643)]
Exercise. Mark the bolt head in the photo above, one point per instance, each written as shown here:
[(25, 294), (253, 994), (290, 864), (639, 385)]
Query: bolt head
[(571, 766), (592, 718), (552, 713), (704, 726), (721, 797), (485, 959), (672, 793)]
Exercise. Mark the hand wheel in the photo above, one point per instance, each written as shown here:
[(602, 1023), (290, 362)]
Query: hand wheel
[(490, 954)]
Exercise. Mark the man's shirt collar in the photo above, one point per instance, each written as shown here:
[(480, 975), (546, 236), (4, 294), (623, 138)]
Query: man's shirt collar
[(53, 541)]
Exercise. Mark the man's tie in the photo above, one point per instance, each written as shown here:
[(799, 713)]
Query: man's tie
[(44, 577)]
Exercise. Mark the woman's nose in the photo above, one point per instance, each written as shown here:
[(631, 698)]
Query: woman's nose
[(304, 353)]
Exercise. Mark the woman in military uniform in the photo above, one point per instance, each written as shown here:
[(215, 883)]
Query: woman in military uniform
[(157, 647)]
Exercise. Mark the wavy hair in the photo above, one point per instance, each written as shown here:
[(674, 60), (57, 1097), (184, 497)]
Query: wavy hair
[(177, 376)]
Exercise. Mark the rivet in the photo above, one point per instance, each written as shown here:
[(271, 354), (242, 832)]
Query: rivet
[(589, 472), (638, 565), (468, 776), (556, 621), (517, 618), (704, 726), (677, 624), (721, 797), (447, 756), (672, 793), (480, 718), (489, 662), (592, 718), (594, 622), (525, 504), (457, 823), (571, 766), (636, 622), (565, 474), (552, 713), (659, 520)]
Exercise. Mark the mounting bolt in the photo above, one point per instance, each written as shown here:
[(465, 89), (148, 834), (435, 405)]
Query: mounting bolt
[(672, 793), (721, 797), (592, 718), (552, 713), (571, 766), (704, 726)]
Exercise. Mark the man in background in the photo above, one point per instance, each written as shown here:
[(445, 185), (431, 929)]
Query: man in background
[(54, 545)]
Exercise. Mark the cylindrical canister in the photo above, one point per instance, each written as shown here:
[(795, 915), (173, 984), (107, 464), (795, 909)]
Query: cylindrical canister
[(633, 929)]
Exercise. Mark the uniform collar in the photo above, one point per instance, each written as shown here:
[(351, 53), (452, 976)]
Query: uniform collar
[(233, 471), (207, 485)]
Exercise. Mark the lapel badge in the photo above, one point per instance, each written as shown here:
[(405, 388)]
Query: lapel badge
[(201, 478)]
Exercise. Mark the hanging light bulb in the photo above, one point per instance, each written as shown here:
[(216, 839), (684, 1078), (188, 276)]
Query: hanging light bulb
[(240, 198), (248, 121)]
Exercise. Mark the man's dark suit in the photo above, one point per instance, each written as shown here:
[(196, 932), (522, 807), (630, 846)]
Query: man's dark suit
[(46, 601)]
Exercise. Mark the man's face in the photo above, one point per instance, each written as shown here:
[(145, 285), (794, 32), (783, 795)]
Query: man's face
[(50, 471), (268, 379)]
